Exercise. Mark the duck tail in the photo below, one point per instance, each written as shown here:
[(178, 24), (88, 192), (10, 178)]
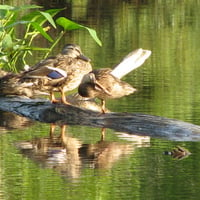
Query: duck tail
[(132, 61)]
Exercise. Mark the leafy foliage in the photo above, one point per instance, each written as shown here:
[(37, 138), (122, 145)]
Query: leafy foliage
[(15, 47), (70, 25)]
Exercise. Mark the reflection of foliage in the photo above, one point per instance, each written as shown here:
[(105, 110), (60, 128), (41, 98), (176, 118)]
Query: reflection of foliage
[(14, 47)]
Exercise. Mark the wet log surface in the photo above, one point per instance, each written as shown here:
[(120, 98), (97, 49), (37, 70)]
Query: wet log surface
[(132, 123)]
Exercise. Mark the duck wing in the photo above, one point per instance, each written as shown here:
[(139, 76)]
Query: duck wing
[(48, 68), (132, 61), (46, 72), (103, 80)]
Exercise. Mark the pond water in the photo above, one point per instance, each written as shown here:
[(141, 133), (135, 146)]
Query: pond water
[(35, 164)]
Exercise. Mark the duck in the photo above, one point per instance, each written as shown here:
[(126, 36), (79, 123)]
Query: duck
[(60, 73), (178, 152), (103, 85), (106, 83)]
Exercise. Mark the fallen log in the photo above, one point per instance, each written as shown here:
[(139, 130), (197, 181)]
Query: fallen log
[(133, 123)]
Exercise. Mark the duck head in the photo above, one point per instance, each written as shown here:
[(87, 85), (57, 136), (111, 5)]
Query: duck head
[(89, 78), (74, 51)]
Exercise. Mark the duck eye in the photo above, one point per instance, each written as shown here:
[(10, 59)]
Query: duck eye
[(92, 77), (71, 48), (77, 50)]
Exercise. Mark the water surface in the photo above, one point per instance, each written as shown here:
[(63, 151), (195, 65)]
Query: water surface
[(34, 165)]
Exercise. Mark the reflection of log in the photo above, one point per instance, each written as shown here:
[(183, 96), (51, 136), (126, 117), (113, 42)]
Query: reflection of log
[(10, 121), (133, 123)]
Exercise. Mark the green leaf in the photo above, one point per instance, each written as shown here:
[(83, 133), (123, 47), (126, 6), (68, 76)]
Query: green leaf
[(31, 16), (14, 24), (42, 17), (53, 12), (49, 18), (6, 7), (18, 8), (7, 41), (27, 48), (41, 30), (3, 14), (26, 7), (39, 49), (94, 35), (70, 25), (6, 13)]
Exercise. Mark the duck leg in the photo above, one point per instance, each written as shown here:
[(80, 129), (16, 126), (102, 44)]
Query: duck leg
[(103, 132), (52, 129), (63, 97), (53, 98), (63, 133), (103, 106)]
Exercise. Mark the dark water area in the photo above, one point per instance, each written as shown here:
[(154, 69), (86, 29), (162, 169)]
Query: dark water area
[(35, 163)]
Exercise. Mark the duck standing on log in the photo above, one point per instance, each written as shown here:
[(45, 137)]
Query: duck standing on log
[(61, 73), (106, 84)]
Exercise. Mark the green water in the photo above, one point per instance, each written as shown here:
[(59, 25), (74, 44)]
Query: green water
[(121, 167)]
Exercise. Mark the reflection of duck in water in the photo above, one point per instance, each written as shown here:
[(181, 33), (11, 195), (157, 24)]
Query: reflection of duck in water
[(61, 73), (104, 154), (68, 155), (58, 152), (106, 84)]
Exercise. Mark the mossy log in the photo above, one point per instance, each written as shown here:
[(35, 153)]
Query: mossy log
[(133, 123)]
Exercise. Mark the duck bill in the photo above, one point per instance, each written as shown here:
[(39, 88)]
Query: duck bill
[(84, 58)]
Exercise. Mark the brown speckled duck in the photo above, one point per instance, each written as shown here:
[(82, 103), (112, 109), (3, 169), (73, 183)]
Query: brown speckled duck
[(60, 73), (106, 84), (178, 152)]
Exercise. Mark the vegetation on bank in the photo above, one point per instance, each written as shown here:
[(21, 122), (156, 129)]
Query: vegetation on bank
[(15, 46)]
